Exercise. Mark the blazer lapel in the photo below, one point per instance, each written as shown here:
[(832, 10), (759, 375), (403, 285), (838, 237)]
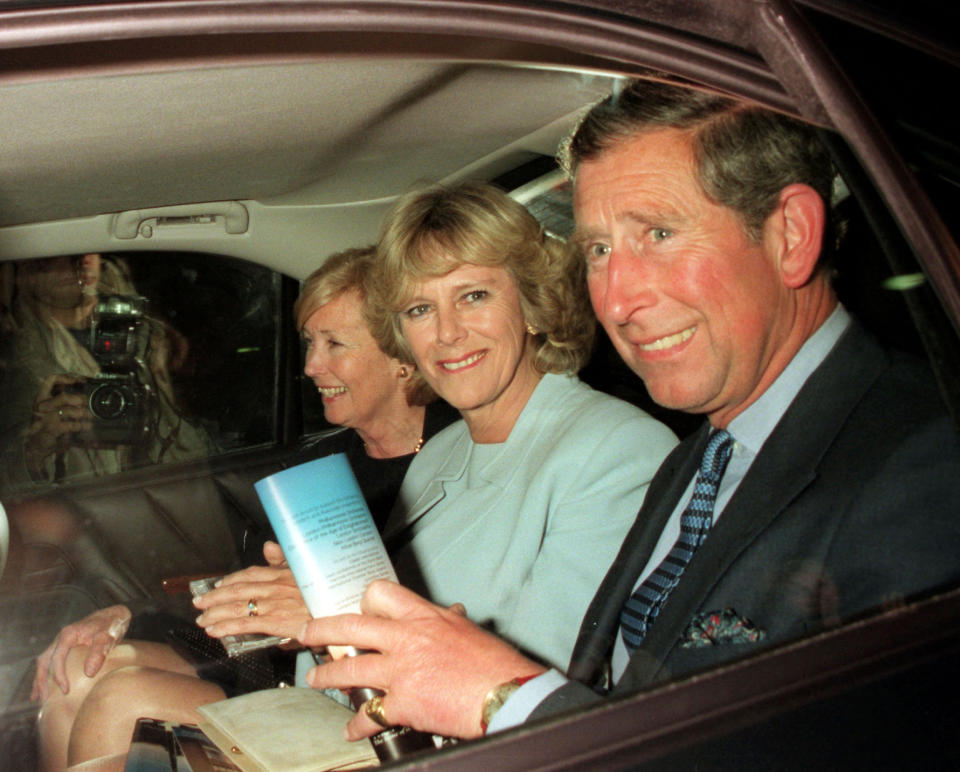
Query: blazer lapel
[(404, 521), (398, 527), (785, 466)]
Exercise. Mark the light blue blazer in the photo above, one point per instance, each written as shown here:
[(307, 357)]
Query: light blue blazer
[(522, 532)]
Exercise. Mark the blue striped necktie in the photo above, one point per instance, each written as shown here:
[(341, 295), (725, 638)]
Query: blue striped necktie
[(643, 606)]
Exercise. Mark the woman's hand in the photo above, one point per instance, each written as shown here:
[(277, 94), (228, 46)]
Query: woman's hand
[(57, 413), (434, 665), (99, 632), (259, 599)]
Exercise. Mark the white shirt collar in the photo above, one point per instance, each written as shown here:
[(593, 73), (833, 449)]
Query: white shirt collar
[(752, 427)]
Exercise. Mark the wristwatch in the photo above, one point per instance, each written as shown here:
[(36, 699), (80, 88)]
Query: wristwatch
[(496, 698)]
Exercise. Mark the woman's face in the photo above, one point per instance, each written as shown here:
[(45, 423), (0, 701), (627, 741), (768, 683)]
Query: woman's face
[(59, 282), (358, 383), (467, 332)]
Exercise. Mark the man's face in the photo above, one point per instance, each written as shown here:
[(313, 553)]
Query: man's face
[(692, 304)]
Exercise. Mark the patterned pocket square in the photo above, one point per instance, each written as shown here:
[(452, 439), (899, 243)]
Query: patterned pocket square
[(718, 628)]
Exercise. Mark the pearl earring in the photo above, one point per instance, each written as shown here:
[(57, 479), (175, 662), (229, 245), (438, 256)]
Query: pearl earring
[(531, 329), (403, 371)]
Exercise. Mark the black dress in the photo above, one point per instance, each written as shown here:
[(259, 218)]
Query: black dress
[(380, 478)]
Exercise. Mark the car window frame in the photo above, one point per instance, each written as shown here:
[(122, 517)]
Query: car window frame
[(812, 87)]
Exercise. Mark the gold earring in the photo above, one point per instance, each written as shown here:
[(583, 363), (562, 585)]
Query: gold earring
[(403, 371), (531, 329)]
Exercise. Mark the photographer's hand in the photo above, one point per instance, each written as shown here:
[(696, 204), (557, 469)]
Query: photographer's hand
[(58, 413)]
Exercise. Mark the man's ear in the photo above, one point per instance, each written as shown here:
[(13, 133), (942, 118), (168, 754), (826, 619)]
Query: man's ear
[(795, 232)]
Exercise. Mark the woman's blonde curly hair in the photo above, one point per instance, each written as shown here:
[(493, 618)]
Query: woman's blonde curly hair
[(431, 232)]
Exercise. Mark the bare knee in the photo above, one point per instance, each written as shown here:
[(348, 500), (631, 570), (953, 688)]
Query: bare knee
[(117, 691), (60, 710), (80, 683), (107, 717)]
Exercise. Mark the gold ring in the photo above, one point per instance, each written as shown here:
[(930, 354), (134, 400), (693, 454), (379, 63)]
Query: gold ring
[(252, 605), (374, 708)]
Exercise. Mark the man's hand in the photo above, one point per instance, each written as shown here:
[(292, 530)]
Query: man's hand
[(99, 632), (434, 665), (279, 606)]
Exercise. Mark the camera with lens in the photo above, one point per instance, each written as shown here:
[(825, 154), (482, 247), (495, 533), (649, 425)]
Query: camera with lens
[(118, 396), (118, 404)]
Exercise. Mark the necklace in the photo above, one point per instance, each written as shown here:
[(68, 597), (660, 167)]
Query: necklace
[(416, 448)]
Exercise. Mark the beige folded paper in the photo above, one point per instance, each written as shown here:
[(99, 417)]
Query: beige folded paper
[(285, 730)]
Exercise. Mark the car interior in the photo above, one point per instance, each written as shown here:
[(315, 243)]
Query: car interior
[(216, 153)]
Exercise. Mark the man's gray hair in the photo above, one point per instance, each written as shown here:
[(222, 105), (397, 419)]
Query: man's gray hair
[(744, 154)]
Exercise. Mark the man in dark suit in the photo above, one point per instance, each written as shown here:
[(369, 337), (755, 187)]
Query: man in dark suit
[(820, 488)]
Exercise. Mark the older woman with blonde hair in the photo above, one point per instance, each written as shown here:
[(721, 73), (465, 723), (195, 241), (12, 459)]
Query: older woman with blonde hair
[(391, 411), (93, 689), (518, 510)]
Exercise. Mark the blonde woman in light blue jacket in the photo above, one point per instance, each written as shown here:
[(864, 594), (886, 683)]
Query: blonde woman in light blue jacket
[(518, 510)]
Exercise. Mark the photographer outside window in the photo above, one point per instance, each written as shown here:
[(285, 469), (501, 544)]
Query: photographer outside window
[(86, 375)]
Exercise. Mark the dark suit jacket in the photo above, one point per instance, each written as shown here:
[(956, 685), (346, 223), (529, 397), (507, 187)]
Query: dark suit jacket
[(849, 505)]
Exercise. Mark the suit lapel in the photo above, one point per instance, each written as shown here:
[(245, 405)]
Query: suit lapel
[(601, 623), (785, 466)]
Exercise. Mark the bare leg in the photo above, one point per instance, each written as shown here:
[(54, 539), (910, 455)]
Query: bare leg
[(105, 722), (104, 764), (60, 710)]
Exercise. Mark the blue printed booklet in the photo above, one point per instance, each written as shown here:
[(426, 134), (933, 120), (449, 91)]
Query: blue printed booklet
[(327, 533)]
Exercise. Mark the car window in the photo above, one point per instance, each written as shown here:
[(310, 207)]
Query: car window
[(892, 293), (908, 99), (194, 365), (115, 362)]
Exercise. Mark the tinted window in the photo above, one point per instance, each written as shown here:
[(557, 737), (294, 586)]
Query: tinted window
[(116, 362), (907, 98)]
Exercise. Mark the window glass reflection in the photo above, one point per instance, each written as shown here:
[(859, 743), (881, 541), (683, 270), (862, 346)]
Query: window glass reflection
[(113, 362)]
